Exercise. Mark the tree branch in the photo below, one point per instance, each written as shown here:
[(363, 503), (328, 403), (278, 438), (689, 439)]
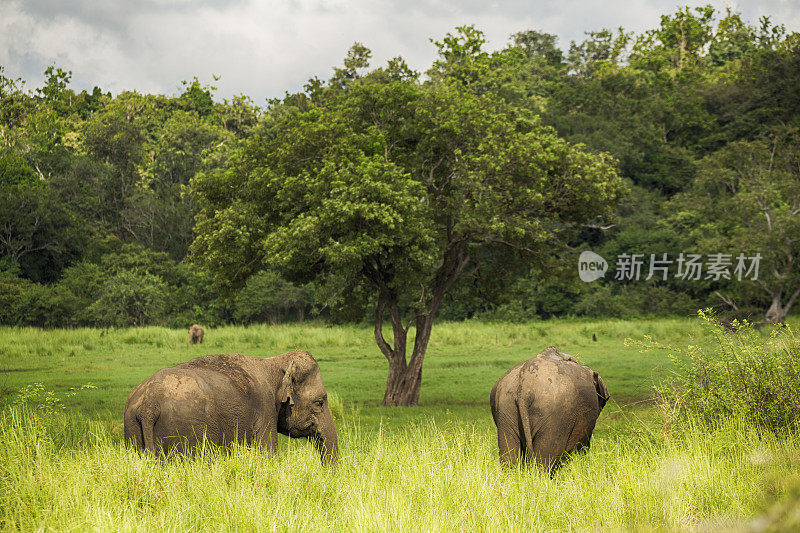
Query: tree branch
[(728, 300), (792, 300), (764, 286), (382, 344)]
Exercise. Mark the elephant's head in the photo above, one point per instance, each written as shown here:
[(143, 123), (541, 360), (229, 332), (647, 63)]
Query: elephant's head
[(304, 410)]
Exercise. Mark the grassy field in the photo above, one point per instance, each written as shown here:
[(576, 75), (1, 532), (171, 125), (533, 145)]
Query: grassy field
[(433, 467)]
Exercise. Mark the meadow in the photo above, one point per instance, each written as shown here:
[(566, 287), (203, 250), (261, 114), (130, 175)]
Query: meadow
[(428, 468)]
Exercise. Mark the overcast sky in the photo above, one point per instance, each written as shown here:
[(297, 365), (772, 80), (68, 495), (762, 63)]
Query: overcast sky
[(263, 48)]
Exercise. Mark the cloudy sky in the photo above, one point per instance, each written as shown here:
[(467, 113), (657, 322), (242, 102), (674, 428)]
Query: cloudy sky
[(263, 47)]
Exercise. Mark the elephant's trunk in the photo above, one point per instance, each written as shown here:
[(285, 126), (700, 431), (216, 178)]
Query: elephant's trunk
[(325, 439)]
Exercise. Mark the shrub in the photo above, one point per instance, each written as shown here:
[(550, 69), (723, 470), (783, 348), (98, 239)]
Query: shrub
[(130, 299), (534, 296), (13, 290), (745, 374), (605, 302), (193, 299), (645, 299), (267, 297)]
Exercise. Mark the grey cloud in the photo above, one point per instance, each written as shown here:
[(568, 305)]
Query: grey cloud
[(264, 48)]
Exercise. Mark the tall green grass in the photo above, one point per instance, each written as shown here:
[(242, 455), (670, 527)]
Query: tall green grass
[(66, 472), (25, 342)]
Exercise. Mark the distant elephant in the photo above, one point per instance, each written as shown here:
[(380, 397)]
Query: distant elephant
[(546, 408), (229, 398), (196, 334)]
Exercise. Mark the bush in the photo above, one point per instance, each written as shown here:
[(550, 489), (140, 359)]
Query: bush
[(13, 290), (532, 297), (623, 301), (606, 302), (49, 306), (82, 282), (193, 299), (130, 299), (744, 374), (268, 297)]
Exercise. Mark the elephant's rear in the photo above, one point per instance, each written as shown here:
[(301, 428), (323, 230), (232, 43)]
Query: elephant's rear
[(546, 407), (133, 428), (176, 409), (141, 413)]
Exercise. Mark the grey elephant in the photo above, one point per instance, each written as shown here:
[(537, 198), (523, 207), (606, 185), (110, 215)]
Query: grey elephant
[(196, 334), (229, 398), (546, 408)]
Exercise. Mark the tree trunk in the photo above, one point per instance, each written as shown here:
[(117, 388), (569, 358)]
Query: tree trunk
[(399, 384), (405, 376), (776, 314), (405, 379), (403, 391)]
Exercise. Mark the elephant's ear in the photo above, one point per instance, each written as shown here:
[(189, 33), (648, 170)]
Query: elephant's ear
[(286, 390), (602, 391)]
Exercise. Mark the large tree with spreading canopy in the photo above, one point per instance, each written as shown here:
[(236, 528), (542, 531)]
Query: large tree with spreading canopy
[(397, 188)]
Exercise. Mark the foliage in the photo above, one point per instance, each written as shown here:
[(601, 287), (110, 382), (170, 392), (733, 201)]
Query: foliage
[(266, 296), (130, 299), (398, 187), (738, 375), (42, 401), (681, 106), (755, 187), (627, 301)]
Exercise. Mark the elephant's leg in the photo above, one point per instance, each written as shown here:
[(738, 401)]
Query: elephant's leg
[(267, 437), (549, 448), (510, 446)]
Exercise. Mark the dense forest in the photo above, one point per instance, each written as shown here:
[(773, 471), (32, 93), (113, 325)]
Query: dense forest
[(681, 140)]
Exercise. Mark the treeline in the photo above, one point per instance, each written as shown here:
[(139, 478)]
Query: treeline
[(701, 113)]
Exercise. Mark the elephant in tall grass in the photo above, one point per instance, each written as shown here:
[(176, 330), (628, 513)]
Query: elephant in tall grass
[(546, 408), (227, 398)]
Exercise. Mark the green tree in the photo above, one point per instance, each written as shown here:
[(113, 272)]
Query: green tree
[(599, 49), (130, 298), (265, 296), (198, 98), (755, 187), (37, 230), (116, 137), (397, 188), (679, 41), (355, 63), (538, 44)]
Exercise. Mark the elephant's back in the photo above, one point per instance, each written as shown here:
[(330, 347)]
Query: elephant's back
[(557, 381), (506, 385), (220, 370), (203, 378)]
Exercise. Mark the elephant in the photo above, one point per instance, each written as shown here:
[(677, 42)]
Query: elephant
[(196, 334), (227, 398), (546, 408)]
